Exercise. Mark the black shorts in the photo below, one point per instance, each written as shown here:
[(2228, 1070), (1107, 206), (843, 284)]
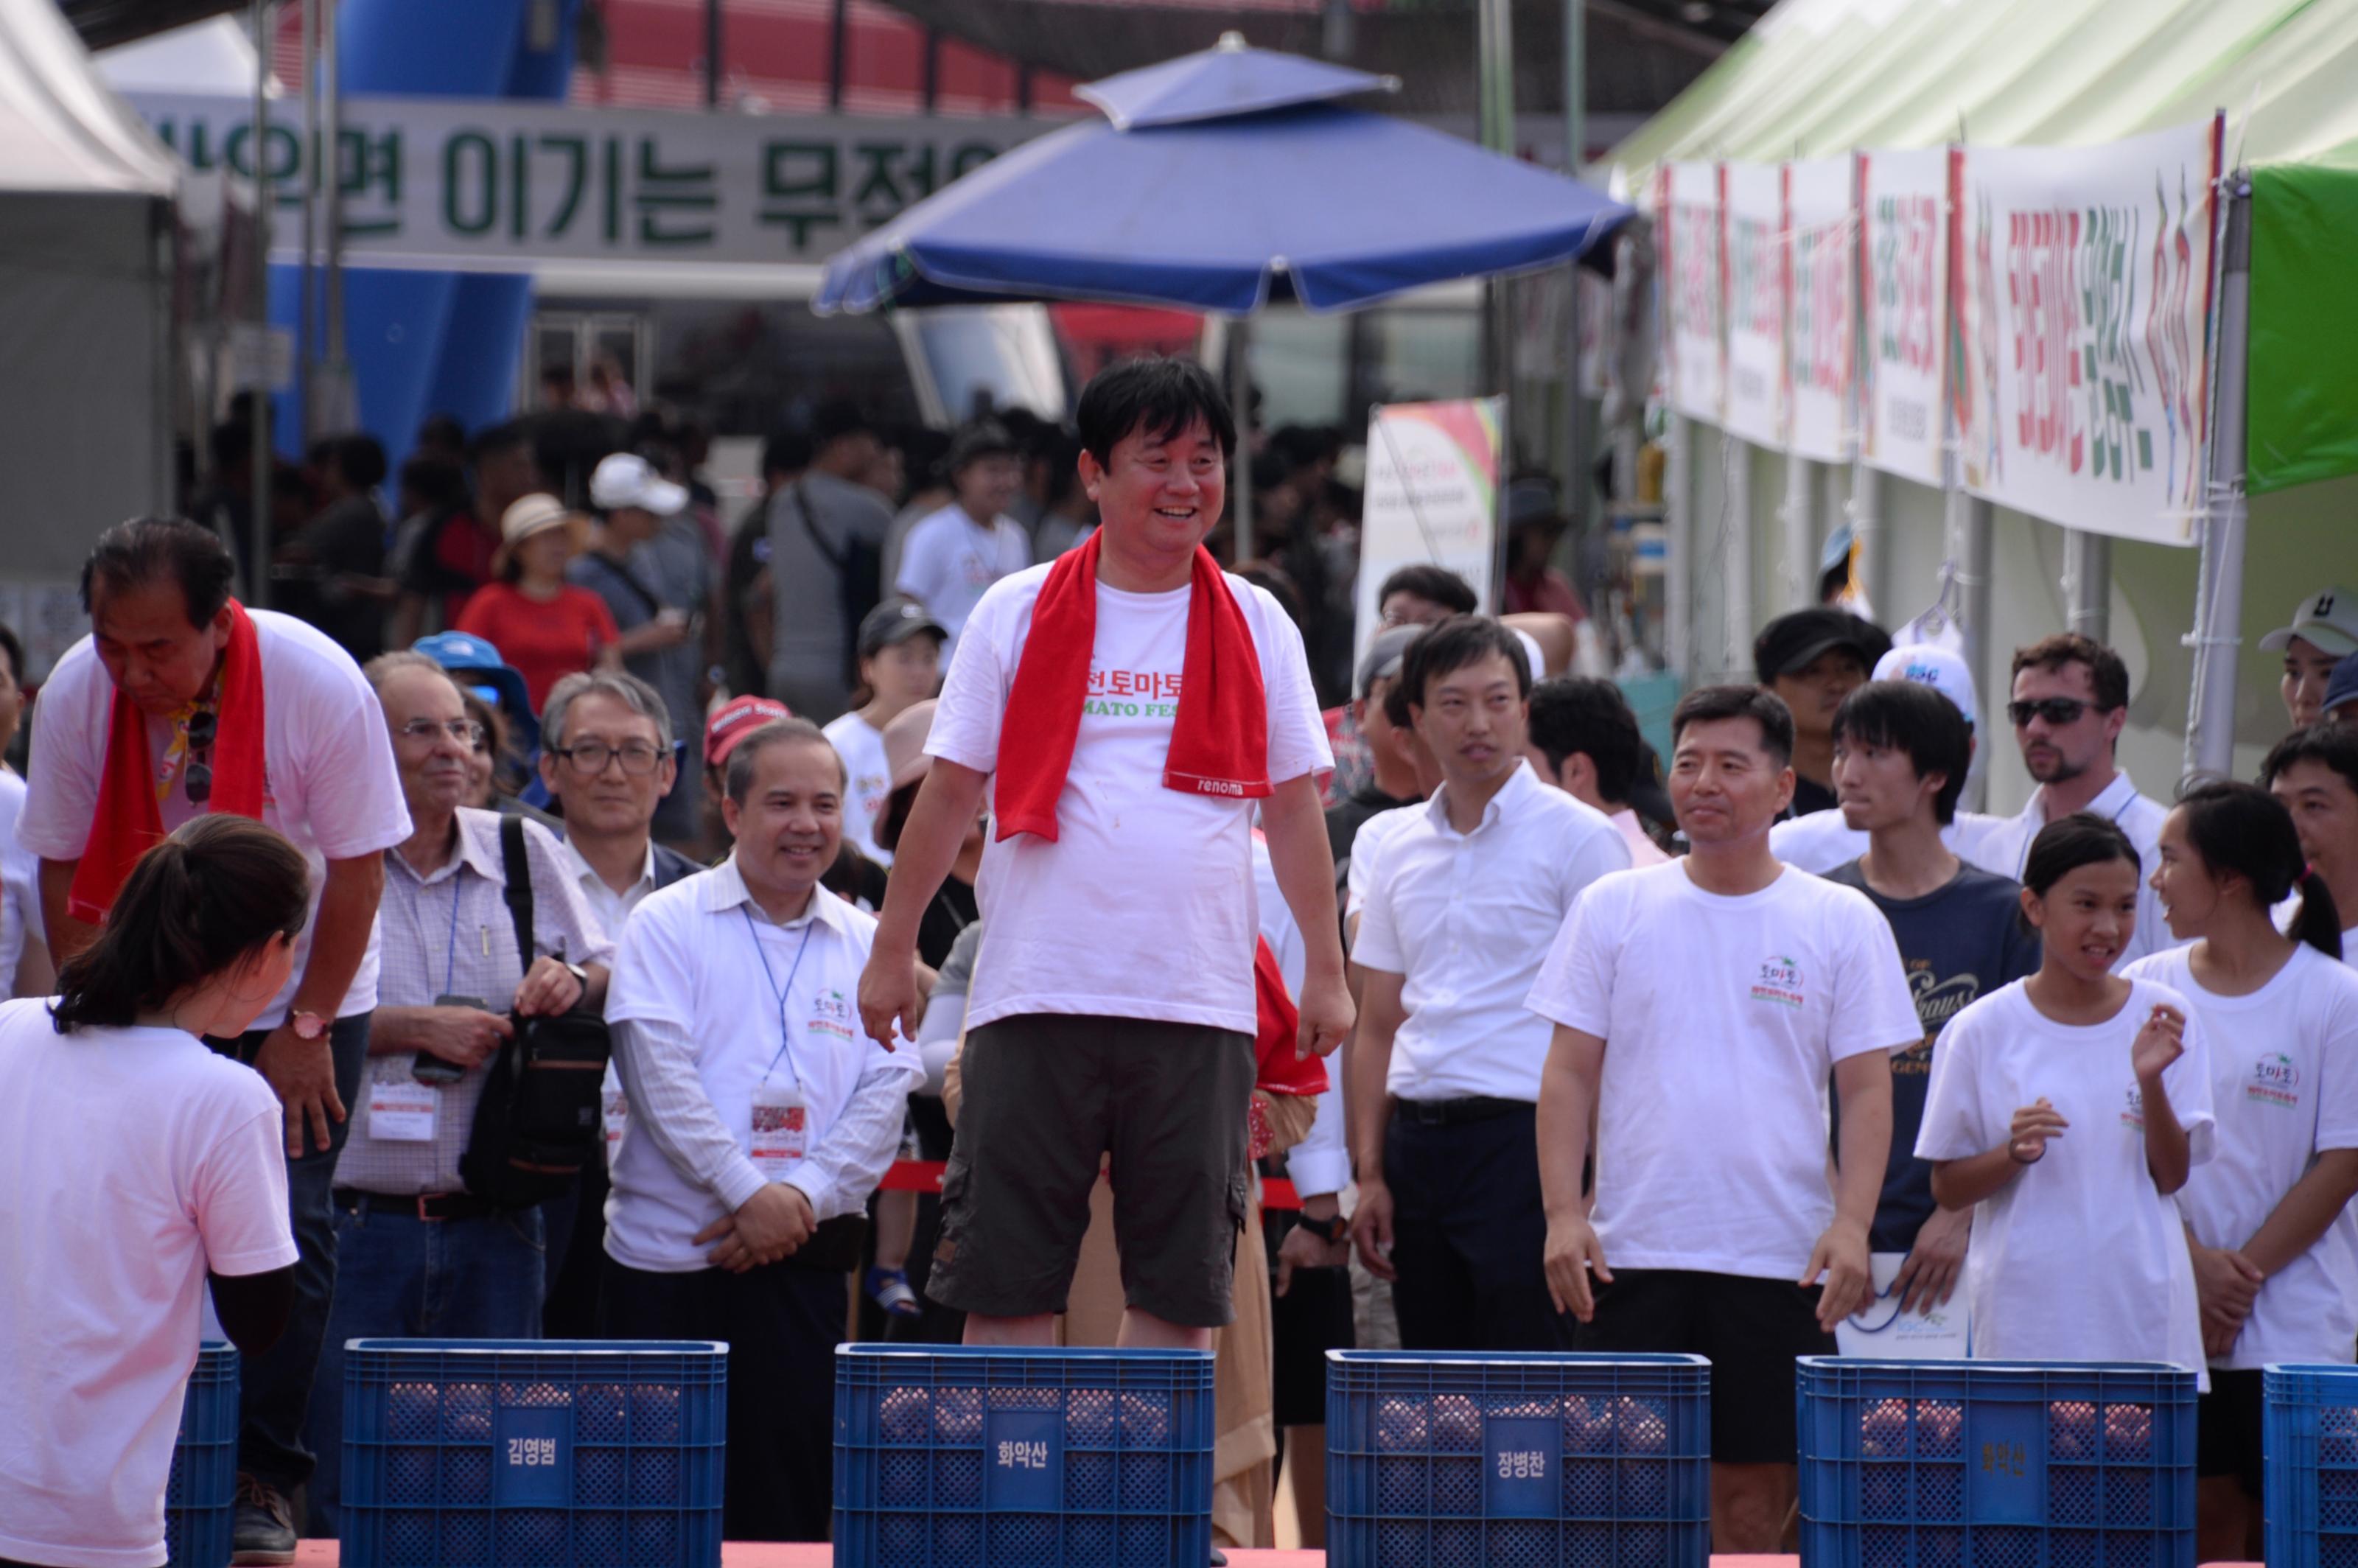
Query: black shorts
[(1750, 1330), (2227, 1428), (1047, 1097)]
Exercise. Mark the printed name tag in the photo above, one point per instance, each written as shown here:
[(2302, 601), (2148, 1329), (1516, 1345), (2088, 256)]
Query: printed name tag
[(402, 1110), (780, 1129)]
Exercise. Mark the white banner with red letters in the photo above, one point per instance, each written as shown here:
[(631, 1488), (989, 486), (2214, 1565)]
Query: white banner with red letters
[(1753, 216), (2081, 303), (1820, 226), (1903, 250), (1694, 276)]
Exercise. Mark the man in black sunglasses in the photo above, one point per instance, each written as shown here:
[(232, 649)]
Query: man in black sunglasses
[(2071, 698)]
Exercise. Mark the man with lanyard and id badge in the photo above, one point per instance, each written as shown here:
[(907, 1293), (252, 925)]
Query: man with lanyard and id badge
[(762, 1118), (419, 1254)]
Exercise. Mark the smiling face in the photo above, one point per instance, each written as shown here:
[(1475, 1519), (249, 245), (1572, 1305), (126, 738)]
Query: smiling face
[(2189, 891), (2087, 917), (434, 763), (790, 824), (614, 800), (1725, 785), (1476, 721), (1159, 492), (987, 485), (2308, 669)]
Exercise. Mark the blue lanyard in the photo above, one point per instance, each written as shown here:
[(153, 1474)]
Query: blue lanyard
[(781, 994)]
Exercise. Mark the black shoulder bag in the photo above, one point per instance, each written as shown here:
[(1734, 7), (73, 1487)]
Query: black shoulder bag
[(859, 575), (538, 1123)]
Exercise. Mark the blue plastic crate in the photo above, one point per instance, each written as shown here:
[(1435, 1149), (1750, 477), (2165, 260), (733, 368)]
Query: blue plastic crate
[(1436, 1459), (2311, 1454), (532, 1454), (961, 1456), (201, 1499), (1995, 1464)]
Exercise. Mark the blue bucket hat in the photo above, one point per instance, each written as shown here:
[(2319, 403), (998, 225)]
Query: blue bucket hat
[(479, 664)]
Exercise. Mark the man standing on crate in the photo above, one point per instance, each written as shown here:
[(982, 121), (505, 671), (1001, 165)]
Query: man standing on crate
[(760, 1123), (183, 703), (419, 1256), (1702, 1008), (1134, 703)]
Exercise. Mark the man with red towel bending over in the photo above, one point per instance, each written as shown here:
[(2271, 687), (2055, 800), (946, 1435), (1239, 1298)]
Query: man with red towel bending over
[(1135, 705)]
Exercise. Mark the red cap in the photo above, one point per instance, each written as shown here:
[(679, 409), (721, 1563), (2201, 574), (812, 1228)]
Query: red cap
[(735, 719)]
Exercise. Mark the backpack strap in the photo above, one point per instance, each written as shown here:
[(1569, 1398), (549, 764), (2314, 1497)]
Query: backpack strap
[(518, 891)]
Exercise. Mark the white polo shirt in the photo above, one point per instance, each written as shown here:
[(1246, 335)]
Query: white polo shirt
[(697, 1022), (1467, 918), (329, 783), (2006, 850)]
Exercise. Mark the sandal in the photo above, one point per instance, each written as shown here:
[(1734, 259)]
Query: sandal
[(889, 1288)]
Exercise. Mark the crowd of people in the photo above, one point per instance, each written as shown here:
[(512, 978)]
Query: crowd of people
[(853, 835)]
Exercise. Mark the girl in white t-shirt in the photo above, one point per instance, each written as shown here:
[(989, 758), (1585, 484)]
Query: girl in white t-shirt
[(900, 653), (2064, 1111), (2274, 1251), (134, 1163)]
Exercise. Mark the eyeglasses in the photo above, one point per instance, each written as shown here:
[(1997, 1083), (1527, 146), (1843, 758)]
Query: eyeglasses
[(204, 727), (2057, 710), (466, 731), (638, 759)]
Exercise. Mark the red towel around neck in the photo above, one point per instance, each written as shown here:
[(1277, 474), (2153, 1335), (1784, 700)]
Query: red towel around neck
[(128, 822), (1219, 740)]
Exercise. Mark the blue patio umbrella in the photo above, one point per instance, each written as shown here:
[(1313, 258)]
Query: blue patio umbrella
[(1223, 181)]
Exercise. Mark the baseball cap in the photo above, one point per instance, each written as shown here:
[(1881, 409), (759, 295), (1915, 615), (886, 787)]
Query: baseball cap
[(904, 744), (1927, 663), (625, 478), (1789, 643), (895, 621), (2341, 689), (2326, 618), (1382, 659), (735, 719), (479, 666)]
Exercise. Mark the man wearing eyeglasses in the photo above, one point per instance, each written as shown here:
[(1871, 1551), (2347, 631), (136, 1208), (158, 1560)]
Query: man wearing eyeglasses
[(182, 702), (421, 1257), (2070, 697)]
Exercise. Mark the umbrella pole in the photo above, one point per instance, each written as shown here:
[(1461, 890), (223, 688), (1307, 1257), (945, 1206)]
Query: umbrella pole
[(2218, 615), (1240, 496)]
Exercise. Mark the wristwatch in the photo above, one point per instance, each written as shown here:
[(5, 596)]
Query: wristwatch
[(1330, 1231), (308, 1026)]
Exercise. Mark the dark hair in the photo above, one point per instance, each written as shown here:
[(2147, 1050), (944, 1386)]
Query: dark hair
[(787, 452), (500, 438), (1707, 704), (2107, 675), (148, 549), (1908, 717), (2067, 843), (2243, 828), (194, 904), (358, 458), (1159, 397), (1303, 444), (1456, 644), (15, 651), (894, 817), (2332, 743), (441, 433), (1438, 584), (1582, 714), (982, 438), (737, 776), (436, 480), (836, 418)]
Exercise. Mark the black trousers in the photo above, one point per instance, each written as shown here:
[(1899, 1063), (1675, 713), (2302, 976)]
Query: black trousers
[(782, 1324), (1468, 1232)]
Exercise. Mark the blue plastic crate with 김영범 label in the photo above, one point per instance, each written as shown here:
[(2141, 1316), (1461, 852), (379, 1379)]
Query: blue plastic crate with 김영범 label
[(1436, 1458), (532, 1454), (959, 1457), (1995, 1464), (2311, 1441)]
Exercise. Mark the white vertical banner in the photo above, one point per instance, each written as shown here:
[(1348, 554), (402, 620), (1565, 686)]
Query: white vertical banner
[(1754, 217), (1903, 310), (2082, 299), (1694, 277), (1820, 227), (1595, 367), (1432, 496)]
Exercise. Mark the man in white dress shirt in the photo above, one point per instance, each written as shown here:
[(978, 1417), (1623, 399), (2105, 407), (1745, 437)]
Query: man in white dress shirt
[(760, 1120), (1465, 901)]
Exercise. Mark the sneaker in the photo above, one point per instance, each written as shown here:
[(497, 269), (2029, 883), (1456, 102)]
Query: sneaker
[(1219, 1558), (265, 1527), (889, 1288)]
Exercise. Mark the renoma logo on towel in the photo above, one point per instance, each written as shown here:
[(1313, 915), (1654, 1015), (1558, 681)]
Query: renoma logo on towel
[(1778, 980)]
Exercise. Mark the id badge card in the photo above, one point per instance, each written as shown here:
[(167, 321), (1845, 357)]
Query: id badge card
[(1880, 1329), (780, 1129), (402, 1110)]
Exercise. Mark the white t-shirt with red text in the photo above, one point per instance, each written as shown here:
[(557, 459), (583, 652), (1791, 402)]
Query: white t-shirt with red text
[(1143, 907)]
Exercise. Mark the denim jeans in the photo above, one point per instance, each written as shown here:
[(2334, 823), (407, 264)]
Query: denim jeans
[(275, 1387), (406, 1278)]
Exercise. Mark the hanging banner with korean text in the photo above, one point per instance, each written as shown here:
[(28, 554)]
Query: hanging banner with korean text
[(487, 185), (2082, 302), (1754, 217), (1903, 280), (1432, 497), (1820, 226), (1694, 288)]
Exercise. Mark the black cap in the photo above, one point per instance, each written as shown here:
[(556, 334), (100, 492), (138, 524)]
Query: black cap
[(895, 621), (1789, 643)]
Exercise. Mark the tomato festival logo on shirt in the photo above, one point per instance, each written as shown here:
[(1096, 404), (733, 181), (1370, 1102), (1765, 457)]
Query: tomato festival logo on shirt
[(2133, 1112), (1132, 693), (2275, 1081), (1779, 981), (831, 1014)]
